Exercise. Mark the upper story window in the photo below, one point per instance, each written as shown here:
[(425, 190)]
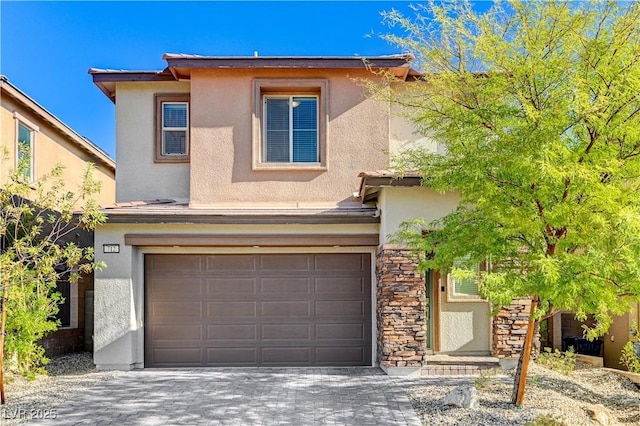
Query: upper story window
[(25, 141), (172, 128), (290, 124), (291, 129)]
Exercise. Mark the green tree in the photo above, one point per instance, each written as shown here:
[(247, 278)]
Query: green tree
[(537, 105), (38, 221)]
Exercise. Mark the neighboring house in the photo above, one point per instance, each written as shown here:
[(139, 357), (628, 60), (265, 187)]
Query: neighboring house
[(47, 141), (253, 220)]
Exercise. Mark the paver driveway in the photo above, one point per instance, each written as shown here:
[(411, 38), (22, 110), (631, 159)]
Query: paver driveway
[(243, 396)]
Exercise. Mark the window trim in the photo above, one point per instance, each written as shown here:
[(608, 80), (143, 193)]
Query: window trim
[(22, 120), (289, 87), (159, 100)]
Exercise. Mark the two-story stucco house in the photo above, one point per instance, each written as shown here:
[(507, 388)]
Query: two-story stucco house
[(47, 141), (253, 218)]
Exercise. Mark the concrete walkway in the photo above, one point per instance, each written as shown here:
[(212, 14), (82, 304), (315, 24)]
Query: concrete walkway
[(242, 396)]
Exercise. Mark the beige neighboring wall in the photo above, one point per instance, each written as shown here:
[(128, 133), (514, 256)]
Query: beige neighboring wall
[(53, 144), (221, 135), (138, 177)]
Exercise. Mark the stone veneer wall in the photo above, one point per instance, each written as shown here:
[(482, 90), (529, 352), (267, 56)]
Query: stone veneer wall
[(401, 307), (510, 329)]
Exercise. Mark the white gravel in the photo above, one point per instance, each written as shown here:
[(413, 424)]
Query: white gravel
[(67, 375), (548, 394)]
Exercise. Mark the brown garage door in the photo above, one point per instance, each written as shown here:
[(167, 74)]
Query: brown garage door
[(257, 310)]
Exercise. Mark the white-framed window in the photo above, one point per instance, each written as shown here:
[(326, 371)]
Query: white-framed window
[(172, 128), (290, 129), (25, 145), (290, 120), (465, 288), (175, 128)]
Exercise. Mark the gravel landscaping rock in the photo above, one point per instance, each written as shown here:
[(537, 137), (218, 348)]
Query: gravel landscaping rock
[(549, 395), (35, 399)]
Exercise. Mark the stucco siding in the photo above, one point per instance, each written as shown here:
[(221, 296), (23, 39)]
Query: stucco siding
[(221, 129), (137, 176), (400, 204)]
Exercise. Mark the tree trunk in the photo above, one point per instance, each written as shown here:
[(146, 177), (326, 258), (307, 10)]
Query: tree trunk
[(3, 323), (520, 381)]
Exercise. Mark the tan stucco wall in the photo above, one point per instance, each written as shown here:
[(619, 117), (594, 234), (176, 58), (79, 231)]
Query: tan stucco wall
[(399, 204), (221, 130), (138, 177), (50, 147), (119, 288), (465, 327)]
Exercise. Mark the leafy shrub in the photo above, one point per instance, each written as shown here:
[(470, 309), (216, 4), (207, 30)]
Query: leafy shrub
[(487, 379), (562, 362), (630, 358)]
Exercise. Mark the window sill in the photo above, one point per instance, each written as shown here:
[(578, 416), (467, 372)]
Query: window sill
[(175, 159), (290, 166)]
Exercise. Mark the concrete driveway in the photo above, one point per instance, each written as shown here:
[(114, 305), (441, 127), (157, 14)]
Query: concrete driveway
[(242, 396)]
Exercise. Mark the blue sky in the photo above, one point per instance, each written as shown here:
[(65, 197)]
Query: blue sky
[(47, 47)]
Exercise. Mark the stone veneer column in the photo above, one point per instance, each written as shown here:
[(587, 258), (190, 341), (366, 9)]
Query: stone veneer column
[(510, 329), (401, 303)]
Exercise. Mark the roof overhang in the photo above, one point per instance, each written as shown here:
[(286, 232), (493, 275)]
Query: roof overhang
[(168, 211), (372, 182), (179, 67), (106, 79)]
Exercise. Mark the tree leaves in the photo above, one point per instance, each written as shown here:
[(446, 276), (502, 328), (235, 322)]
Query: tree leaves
[(537, 105)]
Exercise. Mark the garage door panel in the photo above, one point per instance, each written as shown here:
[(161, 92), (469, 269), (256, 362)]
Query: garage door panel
[(252, 310), (223, 287), (341, 262), (341, 308), (339, 331), (285, 286), (176, 308), (177, 264), (286, 355), (178, 332), (230, 308), (230, 263), (232, 332), (189, 288), (343, 286), (286, 309), (235, 355), (339, 355), (290, 262), (177, 356), (286, 331)]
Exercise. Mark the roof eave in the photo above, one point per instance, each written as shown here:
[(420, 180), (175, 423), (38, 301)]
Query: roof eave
[(105, 79)]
